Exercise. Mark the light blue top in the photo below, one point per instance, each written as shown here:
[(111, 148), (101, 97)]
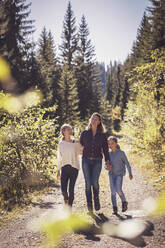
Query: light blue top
[(119, 163)]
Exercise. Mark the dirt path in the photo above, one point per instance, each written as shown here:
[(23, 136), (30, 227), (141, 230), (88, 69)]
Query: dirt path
[(19, 233)]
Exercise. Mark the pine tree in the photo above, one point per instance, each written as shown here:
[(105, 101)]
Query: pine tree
[(85, 72), (14, 37), (69, 97), (69, 37), (141, 51), (47, 62), (157, 17)]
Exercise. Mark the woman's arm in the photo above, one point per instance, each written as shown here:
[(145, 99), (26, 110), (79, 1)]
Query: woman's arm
[(82, 138), (105, 148)]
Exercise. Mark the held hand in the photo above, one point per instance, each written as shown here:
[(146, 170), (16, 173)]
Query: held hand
[(109, 167), (130, 176), (58, 175)]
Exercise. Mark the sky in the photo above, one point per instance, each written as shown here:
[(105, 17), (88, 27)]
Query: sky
[(112, 24)]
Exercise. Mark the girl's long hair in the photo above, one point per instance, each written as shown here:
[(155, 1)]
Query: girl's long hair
[(115, 140), (100, 127), (63, 128)]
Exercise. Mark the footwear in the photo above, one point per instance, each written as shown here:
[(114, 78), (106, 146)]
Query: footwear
[(124, 206), (90, 206), (66, 202), (97, 204), (115, 210)]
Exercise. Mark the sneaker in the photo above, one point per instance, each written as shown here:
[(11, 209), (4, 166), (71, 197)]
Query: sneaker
[(124, 206), (115, 210)]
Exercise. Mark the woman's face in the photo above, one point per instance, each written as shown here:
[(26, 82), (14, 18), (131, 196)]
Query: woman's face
[(67, 131), (95, 121), (112, 144)]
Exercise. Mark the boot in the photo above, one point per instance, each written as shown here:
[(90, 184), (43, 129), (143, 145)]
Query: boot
[(66, 202), (97, 203), (124, 206), (115, 210), (90, 206)]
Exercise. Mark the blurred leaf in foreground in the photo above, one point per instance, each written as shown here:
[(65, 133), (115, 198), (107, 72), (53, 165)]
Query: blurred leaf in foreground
[(14, 104), (56, 229), (155, 207), (128, 229), (4, 70)]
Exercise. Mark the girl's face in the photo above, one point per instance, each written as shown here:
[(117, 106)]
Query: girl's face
[(95, 121), (67, 132), (112, 144)]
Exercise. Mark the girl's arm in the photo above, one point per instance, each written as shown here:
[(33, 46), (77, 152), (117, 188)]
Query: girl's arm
[(126, 162)]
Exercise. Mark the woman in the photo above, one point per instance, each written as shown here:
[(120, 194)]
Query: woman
[(119, 162), (68, 163), (94, 142)]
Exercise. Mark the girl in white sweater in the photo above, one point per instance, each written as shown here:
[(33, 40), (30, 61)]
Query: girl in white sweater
[(68, 163)]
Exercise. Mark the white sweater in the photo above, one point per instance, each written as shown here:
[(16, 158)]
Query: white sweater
[(68, 153)]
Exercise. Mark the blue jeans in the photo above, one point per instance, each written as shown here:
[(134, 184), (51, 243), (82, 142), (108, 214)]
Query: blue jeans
[(91, 170), (116, 183)]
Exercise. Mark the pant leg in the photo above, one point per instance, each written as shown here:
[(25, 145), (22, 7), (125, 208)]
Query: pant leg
[(72, 180), (64, 181), (119, 184), (96, 170), (112, 181), (86, 167)]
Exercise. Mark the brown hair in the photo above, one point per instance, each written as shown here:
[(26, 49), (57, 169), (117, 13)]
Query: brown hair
[(100, 127), (63, 128), (115, 140)]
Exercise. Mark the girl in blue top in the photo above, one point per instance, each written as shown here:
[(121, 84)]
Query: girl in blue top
[(119, 162)]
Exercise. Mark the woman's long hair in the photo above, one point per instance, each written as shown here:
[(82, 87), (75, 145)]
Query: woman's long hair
[(100, 127)]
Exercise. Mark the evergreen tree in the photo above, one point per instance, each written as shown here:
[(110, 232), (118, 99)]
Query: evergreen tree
[(48, 68), (69, 37), (85, 72), (69, 97), (14, 37), (141, 51), (157, 17)]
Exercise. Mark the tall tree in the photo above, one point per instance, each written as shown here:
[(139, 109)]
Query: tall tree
[(69, 37), (47, 62), (157, 17), (69, 97), (85, 72), (142, 47), (14, 37)]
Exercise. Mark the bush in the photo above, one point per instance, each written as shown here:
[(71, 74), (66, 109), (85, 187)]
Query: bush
[(27, 151), (145, 116)]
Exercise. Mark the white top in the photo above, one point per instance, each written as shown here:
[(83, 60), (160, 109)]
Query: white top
[(68, 153)]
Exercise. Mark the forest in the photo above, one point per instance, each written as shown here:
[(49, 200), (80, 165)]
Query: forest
[(41, 90)]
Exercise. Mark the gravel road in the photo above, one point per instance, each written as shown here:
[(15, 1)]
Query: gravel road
[(22, 232)]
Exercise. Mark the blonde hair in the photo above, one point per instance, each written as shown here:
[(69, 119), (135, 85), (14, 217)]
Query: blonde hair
[(100, 127), (115, 140), (63, 128)]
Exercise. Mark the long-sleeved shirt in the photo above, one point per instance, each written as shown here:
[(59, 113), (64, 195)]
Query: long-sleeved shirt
[(68, 153), (94, 146), (119, 162)]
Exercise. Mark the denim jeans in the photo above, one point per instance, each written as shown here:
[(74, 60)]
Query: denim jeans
[(91, 170), (68, 179), (116, 183)]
